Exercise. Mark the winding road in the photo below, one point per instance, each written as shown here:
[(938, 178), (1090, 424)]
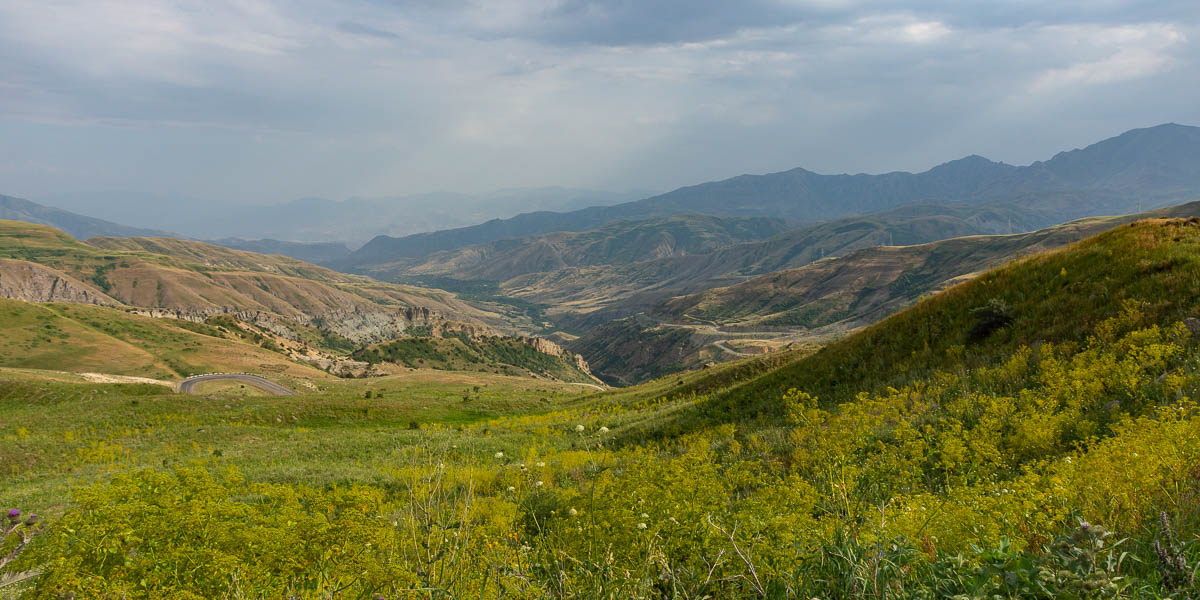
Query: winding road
[(188, 386), (724, 346)]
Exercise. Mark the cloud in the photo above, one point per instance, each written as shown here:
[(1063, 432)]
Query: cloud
[(265, 100)]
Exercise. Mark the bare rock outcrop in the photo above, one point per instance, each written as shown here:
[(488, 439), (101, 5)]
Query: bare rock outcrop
[(32, 282), (546, 346)]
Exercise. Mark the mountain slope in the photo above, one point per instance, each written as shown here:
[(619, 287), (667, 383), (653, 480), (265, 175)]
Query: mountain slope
[(623, 242), (1147, 273), (84, 338), (189, 279), (308, 313), (1151, 167), (812, 303), (75, 225), (580, 297)]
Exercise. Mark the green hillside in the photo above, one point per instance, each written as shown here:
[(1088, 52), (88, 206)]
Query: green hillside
[(1029, 434), (504, 355), (1150, 268), (83, 338)]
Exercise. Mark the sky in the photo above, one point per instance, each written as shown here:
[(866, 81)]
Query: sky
[(264, 101)]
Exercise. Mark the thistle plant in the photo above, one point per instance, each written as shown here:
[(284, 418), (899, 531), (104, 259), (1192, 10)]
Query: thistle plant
[(15, 534)]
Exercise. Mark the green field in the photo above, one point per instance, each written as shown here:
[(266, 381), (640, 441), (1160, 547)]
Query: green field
[(1029, 434)]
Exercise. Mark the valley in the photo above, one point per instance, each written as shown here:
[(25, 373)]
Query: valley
[(599, 300), (908, 433), (948, 388)]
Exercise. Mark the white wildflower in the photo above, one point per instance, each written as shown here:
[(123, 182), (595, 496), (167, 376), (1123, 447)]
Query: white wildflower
[(579, 428), (512, 489), (499, 455), (538, 484), (641, 525), (603, 430), (645, 516), (572, 512), (541, 464)]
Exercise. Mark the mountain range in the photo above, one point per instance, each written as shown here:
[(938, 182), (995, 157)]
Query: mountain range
[(641, 288), (351, 221), (1152, 167), (75, 225)]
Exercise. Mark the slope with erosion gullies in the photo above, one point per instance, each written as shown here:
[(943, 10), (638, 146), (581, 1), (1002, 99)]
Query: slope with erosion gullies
[(813, 303), (581, 297), (311, 314), (622, 242), (1141, 168), (861, 287), (1146, 273), (85, 338), (453, 349), (194, 280)]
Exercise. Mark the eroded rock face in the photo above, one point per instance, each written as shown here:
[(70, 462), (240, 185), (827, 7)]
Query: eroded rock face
[(546, 346), (31, 282), (354, 324)]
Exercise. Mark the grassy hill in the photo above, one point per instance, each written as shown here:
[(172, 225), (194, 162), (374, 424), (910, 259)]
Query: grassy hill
[(1031, 433), (589, 292), (623, 242), (814, 303), (502, 355), (82, 338), (196, 280), (1148, 272)]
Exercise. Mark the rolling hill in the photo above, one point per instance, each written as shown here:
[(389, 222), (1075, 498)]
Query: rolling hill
[(813, 303), (579, 297), (83, 338), (1030, 433), (310, 314), (623, 242)]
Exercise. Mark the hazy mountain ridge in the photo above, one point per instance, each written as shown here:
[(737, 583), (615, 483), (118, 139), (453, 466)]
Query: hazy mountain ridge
[(1153, 166), (75, 225), (352, 221), (318, 253)]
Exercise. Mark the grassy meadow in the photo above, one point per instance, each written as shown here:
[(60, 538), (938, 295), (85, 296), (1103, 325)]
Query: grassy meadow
[(1028, 434)]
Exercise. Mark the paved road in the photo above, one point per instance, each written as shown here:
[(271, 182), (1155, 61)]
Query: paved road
[(722, 345), (188, 386)]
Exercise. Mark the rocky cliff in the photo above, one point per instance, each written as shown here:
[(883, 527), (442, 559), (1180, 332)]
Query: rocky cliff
[(31, 282)]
